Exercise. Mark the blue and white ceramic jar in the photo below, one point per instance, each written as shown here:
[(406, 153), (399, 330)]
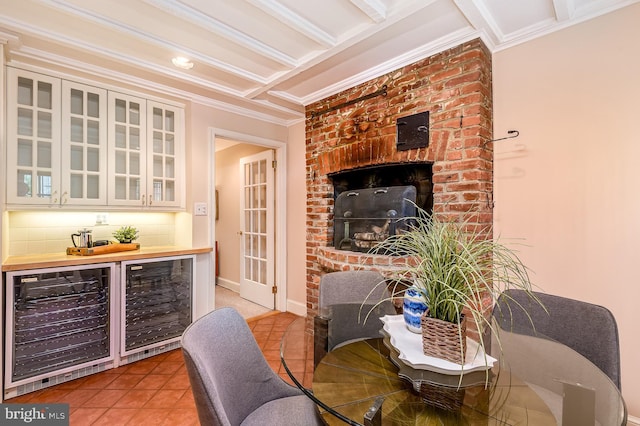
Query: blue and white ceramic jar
[(413, 306)]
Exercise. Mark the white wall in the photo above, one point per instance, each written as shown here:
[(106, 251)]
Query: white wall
[(568, 184), (296, 221)]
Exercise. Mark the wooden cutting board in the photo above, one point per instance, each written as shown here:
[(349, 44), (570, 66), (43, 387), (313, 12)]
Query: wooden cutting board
[(109, 248)]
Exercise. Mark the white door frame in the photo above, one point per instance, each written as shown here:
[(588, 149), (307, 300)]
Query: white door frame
[(281, 201)]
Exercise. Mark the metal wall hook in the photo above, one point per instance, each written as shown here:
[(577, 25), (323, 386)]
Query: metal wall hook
[(512, 134)]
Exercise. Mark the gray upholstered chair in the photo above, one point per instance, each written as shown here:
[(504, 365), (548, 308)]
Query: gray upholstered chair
[(340, 319), (588, 329), (232, 382)]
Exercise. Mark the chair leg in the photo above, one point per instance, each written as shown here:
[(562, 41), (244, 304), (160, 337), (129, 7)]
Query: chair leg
[(320, 339), (373, 416)]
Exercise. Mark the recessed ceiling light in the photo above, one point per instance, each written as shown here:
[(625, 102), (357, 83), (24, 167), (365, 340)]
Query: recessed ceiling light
[(182, 62)]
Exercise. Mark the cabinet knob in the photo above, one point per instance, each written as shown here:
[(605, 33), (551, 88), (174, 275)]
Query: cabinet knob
[(143, 200)]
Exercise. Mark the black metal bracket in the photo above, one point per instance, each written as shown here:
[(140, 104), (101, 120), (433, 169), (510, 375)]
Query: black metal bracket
[(381, 92), (512, 134)]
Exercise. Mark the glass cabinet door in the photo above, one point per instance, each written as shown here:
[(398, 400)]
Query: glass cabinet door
[(127, 155), (33, 138), (164, 123), (84, 144)]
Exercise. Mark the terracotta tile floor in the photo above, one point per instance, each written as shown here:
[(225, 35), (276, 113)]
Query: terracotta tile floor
[(153, 391)]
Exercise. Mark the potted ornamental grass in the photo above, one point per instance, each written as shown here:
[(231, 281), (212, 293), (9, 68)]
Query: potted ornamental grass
[(459, 274)]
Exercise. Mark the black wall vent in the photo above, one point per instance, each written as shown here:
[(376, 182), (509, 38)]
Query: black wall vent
[(413, 131)]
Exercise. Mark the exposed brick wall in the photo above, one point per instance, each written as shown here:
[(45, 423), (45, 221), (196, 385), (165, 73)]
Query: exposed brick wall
[(455, 87)]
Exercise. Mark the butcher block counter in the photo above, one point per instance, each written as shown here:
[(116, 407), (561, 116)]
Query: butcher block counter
[(54, 260)]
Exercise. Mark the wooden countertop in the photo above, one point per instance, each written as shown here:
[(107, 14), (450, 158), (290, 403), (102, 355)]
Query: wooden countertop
[(54, 260)]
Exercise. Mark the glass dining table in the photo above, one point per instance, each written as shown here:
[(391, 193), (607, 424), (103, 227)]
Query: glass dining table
[(533, 381)]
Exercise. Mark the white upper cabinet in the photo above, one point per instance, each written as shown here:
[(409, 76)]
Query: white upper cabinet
[(71, 144), (84, 144), (165, 155), (127, 158), (145, 152), (33, 138)]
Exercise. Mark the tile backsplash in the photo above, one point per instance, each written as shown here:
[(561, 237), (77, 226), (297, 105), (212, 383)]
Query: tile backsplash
[(50, 232)]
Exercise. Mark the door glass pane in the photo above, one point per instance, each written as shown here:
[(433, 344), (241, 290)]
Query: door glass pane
[(93, 187), (263, 221), (121, 188), (157, 166), (262, 172), (44, 155), (76, 102), (77, 131), (93, 105), (25, 152), (170, 192), (247, 174), (25, 91), (76, 158), (247, 220), (157, 118), (247, 244), (76, 186), (263, 245), (134, 188), (134, 113), (157, 142), (169, 145), (263, 196), (24, 183), (93, 132), (45, 92), (134, 138), (44, 184), (157, 190), (121, 111), (247, 198), (44, 124), (247, 267), (169, 170), (263, 271), (134, 163), (93, 160), (121, 162), (255, 223), (169, 121), (25, 122), (121, 136)]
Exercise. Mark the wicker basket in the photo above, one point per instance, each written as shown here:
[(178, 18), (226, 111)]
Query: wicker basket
[(441, 339), (449, 399)]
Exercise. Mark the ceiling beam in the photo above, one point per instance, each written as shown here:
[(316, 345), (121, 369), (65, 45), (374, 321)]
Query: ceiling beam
[(213, 25), (564, 9), (295, 21), (160, 42), (375, 9), (479, 17)]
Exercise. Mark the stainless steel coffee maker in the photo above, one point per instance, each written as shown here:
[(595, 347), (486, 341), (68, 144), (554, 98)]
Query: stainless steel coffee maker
[(84, 238)]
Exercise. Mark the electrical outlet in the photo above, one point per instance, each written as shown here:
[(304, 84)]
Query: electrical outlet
[(200, 209)]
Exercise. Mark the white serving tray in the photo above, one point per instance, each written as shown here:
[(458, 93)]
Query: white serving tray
[(409, 345)]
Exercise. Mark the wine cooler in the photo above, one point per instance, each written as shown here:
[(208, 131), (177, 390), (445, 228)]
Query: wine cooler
[(59, 325), (156, 305)]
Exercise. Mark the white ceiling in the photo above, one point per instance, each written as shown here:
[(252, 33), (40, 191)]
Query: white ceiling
[(266, 58)]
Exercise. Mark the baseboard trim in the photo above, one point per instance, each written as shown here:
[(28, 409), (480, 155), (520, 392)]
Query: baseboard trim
[(230, 285), (633, 421), (297, 308)]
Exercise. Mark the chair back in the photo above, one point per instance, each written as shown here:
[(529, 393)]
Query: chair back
[(591, 330), (229, 375), (342, 293)]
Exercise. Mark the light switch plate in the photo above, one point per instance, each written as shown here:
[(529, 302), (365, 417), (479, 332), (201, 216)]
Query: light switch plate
[(200, 209)]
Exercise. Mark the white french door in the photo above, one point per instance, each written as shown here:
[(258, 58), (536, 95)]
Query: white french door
[(257, 229)]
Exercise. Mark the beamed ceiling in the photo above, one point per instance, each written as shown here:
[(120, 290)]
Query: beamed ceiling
[(265, 58)]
